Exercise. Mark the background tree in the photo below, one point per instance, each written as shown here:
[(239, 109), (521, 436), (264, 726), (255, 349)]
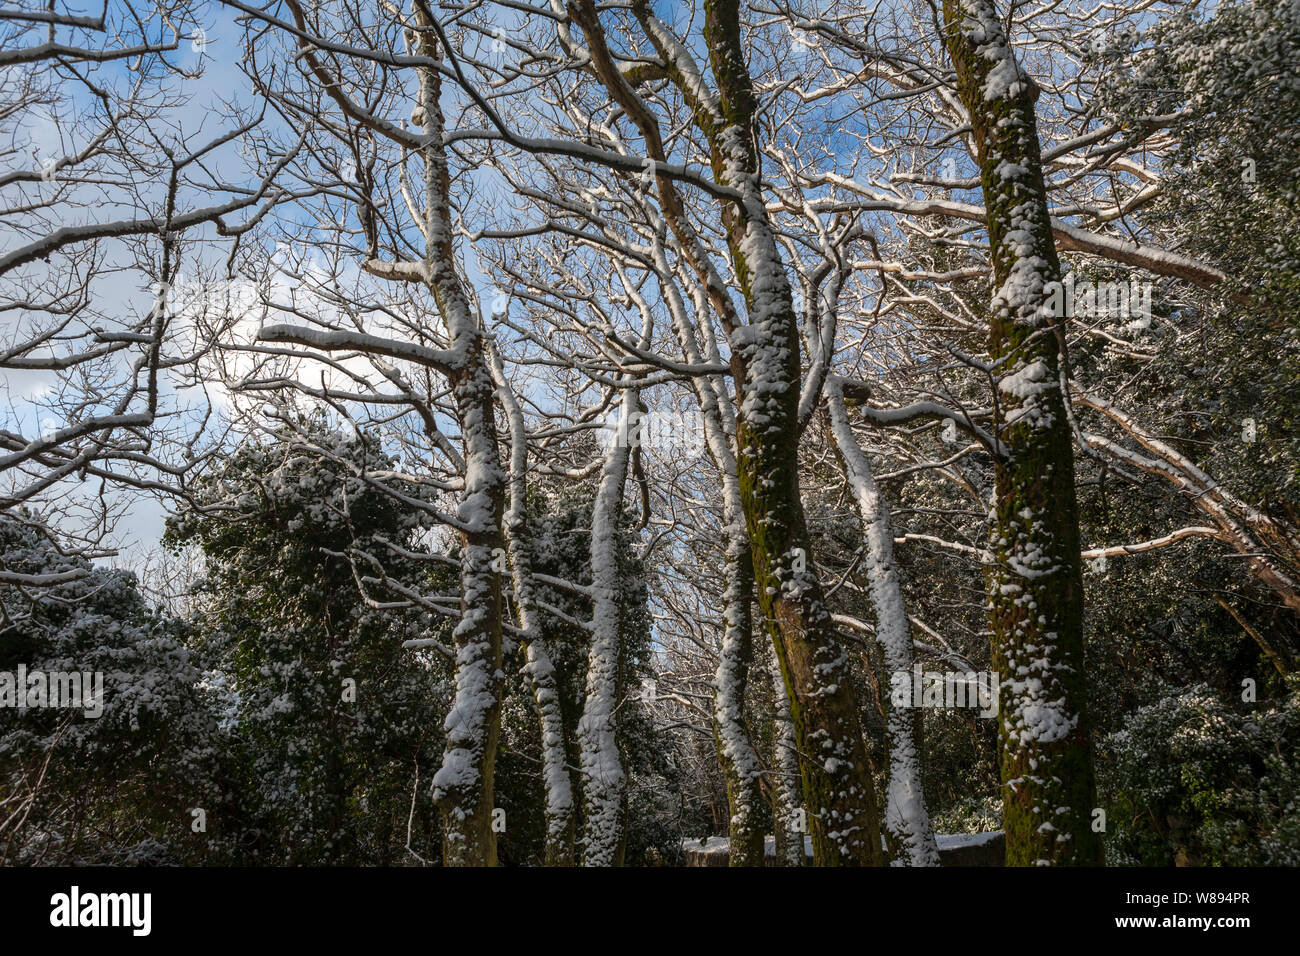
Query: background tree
[(335, 725), (118, 786)]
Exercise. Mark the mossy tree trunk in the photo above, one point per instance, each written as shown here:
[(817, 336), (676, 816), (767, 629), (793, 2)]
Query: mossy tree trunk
[(836, 773), (765, 361), (1034, 578)]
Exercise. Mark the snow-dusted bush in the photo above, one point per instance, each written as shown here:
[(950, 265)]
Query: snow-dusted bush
[(1200, 781), (335, 728), (116, 788)]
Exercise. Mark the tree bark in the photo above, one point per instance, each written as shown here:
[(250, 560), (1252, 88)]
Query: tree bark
[(786, 805), (1035, 577), (736, 753), (556, 779), (463, 786), (907, 822), (601, 763), (838, 788)]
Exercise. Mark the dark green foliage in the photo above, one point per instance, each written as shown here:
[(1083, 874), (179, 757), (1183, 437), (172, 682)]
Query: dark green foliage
[(117, 788), (336, 727), (1199, 781), (1232, 197)]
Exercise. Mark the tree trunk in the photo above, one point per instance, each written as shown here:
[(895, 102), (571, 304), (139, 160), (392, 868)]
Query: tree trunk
[(736, 753), (463, 785), (786, 805), (837, 782), (601, 763), (907, 822), (1035, 582), (540, 671)]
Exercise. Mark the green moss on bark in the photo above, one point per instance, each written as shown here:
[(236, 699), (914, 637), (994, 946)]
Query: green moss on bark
[(1036, 616)]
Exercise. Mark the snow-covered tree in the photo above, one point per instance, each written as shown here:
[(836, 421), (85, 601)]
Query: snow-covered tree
[(115, 779), (334, 724)]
